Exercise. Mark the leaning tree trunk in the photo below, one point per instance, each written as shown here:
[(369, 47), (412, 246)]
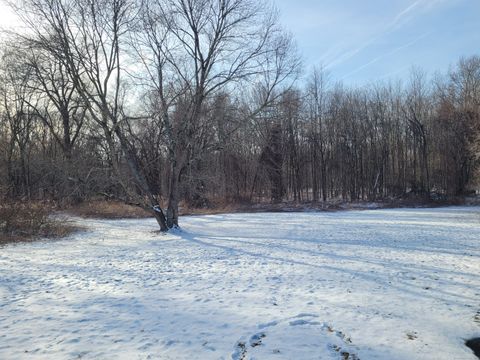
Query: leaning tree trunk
[(141, 181)]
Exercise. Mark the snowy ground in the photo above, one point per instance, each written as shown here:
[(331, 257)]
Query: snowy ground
[(381, 284)]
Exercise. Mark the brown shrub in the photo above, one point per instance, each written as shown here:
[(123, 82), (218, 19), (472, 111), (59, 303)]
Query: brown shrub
[(27, 221)]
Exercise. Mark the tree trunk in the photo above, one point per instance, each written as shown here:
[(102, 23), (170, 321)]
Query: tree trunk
[(140, 180), (172, 211)]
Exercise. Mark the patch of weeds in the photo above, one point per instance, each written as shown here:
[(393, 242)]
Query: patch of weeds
[(29, 221)]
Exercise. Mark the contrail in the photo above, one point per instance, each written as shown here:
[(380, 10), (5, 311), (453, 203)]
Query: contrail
[(395, 24), (378, 58), (403, 13)]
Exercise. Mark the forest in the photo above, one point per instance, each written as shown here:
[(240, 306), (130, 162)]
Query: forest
[(159, 104)]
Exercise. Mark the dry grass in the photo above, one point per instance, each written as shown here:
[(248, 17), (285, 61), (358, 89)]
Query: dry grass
[(112, 209), (434, 200), (31, 221), (216, 207), (102, 209)]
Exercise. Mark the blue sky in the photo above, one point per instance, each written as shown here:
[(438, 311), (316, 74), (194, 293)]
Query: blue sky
[(362, 41)]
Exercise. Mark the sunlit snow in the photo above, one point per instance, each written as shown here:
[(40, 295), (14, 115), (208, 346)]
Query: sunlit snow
[(379, 284)]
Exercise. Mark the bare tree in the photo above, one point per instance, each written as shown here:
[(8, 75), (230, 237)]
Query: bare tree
[(317, 99), (87, 37), (193, 50)]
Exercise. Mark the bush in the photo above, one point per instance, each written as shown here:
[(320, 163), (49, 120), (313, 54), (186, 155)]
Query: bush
[(26, 221)]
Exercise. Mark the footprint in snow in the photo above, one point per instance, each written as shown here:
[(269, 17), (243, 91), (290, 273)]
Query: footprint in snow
[(256, 340), (240, 351), (412, 335), (303, 322), (241, 348), (476, 318), (286, 338)]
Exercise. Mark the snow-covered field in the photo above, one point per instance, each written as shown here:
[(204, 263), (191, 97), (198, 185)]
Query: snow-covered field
[(381, 284)]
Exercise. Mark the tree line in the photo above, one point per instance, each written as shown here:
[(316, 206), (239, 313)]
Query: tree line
[(156, 102)]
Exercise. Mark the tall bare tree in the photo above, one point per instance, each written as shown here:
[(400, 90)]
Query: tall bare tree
[(193, 50)]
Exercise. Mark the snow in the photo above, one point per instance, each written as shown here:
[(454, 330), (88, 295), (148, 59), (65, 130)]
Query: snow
[(377, 284)]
